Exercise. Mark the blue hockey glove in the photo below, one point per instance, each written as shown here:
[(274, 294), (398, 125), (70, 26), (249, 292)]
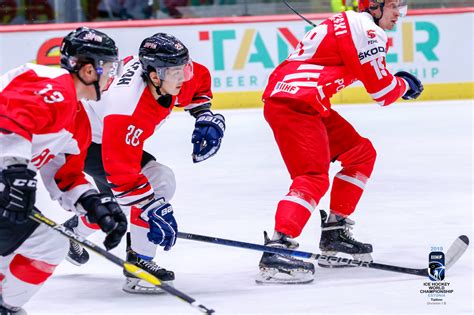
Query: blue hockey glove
[(416, 87), (163, 226), (207, 135)]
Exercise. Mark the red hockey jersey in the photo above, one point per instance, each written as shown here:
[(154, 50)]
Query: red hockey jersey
[(344, 48), (127, 115), (41, 121)]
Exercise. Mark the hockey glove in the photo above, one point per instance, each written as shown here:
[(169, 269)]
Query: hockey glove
[(105, 211), (207, 135), (416, 87), (163, 226), (17, 193)]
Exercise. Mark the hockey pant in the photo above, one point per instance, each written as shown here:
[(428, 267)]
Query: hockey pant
[(308, 143), (162, 179), (23, 272)]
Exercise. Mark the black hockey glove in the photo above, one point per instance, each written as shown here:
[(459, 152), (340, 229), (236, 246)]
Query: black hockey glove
[(103, 210), (17, 193), (207, 135), (416, 87)]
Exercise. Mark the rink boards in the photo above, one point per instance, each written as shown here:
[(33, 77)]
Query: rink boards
[(240, 52)]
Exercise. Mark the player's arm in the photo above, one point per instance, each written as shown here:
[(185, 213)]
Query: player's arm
[(209, 127), (369, 65), (65, 180), (26, 108)]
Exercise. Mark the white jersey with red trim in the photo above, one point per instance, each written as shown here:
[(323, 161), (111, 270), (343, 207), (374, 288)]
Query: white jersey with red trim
[(127, 115), (347, 47), (42, 122)]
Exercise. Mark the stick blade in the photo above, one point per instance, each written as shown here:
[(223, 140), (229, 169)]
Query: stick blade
[(456, 250)]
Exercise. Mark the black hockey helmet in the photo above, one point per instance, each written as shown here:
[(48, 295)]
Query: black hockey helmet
[(163, 51), (84, 46)]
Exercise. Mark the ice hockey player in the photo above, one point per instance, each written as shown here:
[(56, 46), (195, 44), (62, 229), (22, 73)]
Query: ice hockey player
[(347, 47), (161, 77), (44, 128)]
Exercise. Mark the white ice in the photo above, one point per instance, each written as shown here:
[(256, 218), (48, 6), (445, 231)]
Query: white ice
[(420, 195)]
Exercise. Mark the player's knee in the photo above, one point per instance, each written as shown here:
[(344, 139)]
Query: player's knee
[(311, 185), (161, 178), (369, 150), (367, 158)]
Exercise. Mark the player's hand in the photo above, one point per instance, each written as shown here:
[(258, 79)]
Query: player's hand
[(17, 193), (103, 210), (416, 87), (163, 226), (207, 135)]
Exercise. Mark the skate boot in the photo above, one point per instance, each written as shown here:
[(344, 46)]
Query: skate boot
[(77, 254), (283, 269), (136, 285), (9, 310), (336, 238)]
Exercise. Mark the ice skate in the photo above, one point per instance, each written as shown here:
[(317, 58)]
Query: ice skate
[(8, 310), (136, 285), (283, 269), (77, 254), (336, 238)]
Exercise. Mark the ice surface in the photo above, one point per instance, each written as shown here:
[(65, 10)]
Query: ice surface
[(420, 195)]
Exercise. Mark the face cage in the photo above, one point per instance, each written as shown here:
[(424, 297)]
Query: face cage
[(176, 74)]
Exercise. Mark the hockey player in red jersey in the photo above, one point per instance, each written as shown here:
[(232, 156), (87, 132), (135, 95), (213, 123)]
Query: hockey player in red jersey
[(44, 128), (347, 47), (160, 78)]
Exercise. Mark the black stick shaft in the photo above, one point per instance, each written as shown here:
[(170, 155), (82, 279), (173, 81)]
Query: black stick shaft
[(296, 253), (40, 218), (298, 14)]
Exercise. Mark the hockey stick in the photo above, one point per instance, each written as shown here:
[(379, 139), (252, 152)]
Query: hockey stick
[(298, 14), (454, 252), (135, 270)]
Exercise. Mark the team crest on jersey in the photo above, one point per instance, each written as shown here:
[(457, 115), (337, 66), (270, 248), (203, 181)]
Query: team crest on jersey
[(371, 34), (285, 87)]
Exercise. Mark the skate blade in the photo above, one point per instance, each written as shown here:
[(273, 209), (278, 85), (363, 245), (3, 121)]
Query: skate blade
[(139, 286), (335, 264), (275, 276), (72, 261)]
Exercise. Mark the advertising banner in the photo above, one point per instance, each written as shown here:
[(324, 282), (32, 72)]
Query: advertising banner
[(241, 56)]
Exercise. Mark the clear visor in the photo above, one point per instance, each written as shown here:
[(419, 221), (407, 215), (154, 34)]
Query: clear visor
[(176, 74), (110, 69), (403, 7)]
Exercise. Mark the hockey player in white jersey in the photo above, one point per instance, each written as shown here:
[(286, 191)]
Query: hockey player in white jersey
[(160, 78)]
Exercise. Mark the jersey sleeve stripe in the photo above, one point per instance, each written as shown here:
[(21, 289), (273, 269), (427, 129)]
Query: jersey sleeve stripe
[(310, 67), (385, 90), (135, 199), (301, 75), (121, 194)]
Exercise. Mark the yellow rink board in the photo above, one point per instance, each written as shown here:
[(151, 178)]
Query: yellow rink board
[(445, 91)]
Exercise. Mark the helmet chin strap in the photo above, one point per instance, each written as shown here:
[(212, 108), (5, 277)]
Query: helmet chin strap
[(376, 20), (95, 83), (163, 99)]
